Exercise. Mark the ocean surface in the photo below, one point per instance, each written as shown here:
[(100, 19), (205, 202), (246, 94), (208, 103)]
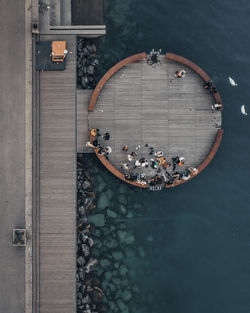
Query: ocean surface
[(196, 237)]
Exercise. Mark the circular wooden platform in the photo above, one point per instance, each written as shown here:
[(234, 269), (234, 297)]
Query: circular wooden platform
[(147, 106)]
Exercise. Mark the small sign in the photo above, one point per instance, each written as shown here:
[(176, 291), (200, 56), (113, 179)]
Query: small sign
[(155, 188), (19, 237)]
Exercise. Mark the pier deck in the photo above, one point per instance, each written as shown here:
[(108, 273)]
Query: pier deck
[(57, 236), (145, 105)]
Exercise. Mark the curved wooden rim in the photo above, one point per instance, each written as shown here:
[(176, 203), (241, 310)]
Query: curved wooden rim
[(115, 171), (208, 159), (195, 68), (110, 73), (136, 57)]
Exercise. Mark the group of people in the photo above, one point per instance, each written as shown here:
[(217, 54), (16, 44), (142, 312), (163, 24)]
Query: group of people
[(95, 143), (152, 169), (164, 172), (210, 86)]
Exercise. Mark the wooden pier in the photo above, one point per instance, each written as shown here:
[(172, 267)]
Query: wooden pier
[(56, 244), (147, 106)]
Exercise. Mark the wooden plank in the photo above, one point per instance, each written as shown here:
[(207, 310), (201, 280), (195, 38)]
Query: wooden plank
[(57, 187)]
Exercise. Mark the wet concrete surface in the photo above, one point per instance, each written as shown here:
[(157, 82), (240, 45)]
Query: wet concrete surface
[(12, 153)]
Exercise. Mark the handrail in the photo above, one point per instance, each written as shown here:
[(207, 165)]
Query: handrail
[(110, 73)]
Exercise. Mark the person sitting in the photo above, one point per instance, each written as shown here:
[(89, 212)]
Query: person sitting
[(186, 176), (127, 176), (177, 177), (101, 151), (133, 154), (95, 132), (208, 84), (193, 170), (125, 166), (106, 136), (151, 150), (125, 148), (213, 89), (108, 150), (162, 161), (137, 164), (130, 177), (158, 180), (217, 106), (141, 182), (154, 164), (180, 73), (166, 164), (89, 144), (178, 161), (159, 154), (129, 157)]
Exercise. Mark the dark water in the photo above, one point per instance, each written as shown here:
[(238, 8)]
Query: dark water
[(199, 260)]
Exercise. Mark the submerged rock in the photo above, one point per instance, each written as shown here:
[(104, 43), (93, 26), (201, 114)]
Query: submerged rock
[(116, 265), (116, 281), (130, 238), (103, 201), (122, 226), (111, 213), (130, 214), (136, 289), (104, 262), (141, 252), (108, 276), (126, 310), (126, 295), (150, 238), (109, 193), (112, 305), (123, 270), (117, 255), (121, 304), (123, 189), (97, 219), (101, 186), (129, 253), (112, 244), (122, 209), (122, 199), (121, 235)]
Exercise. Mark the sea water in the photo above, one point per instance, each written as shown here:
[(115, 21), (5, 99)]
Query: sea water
[(195, 237)]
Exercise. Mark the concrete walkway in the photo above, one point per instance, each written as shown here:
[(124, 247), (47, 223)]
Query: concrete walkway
[(12, 153)]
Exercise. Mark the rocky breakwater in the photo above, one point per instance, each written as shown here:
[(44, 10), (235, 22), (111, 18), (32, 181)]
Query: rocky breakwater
[(87, 62), (89, 293), (108, 256)]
